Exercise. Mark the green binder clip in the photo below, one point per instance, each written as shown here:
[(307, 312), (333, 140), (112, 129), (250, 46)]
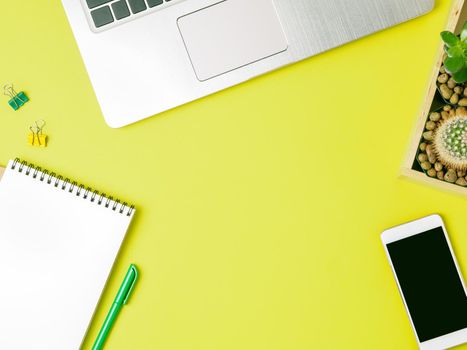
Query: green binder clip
[(17, 100)]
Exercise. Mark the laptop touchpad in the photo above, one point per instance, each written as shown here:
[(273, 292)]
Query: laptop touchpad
[(231, 34)]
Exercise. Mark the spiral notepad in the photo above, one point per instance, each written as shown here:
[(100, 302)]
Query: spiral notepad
[(58, 242)]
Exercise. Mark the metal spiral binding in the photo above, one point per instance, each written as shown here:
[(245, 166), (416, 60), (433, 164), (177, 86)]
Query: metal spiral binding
[(66, 184)]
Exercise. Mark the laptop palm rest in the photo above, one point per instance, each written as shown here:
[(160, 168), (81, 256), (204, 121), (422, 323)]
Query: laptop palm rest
[(231, 34)]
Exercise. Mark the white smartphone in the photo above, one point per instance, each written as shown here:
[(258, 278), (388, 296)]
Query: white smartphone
[(429, 281)]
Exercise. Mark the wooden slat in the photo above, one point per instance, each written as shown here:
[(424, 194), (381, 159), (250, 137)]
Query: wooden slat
[(433, 182)]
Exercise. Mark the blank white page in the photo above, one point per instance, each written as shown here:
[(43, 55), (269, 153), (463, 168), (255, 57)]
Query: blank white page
[(56, 252)]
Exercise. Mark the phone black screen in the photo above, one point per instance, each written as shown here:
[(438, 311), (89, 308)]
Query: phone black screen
[(430, 283)]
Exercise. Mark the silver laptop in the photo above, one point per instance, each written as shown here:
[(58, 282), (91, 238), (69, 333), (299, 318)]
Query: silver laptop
[(147, 56)]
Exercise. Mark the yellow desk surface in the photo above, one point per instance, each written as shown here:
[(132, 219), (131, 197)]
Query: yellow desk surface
[(260, 207)]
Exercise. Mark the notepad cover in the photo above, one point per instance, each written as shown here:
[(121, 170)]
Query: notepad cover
[(56, 253)]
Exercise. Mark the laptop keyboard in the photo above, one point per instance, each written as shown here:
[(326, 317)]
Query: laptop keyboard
[(107, 12)]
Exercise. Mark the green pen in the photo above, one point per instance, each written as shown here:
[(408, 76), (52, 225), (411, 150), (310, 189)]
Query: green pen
[(120, 300)]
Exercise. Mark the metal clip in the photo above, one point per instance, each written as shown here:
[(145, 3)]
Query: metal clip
[(17, 100)]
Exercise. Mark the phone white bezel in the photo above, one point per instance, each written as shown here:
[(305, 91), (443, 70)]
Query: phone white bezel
[(411, 229)]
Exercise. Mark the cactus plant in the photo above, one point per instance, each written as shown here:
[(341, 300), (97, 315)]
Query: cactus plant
[(450, 141)]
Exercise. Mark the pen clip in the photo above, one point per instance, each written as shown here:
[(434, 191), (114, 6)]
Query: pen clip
[(127, 296)]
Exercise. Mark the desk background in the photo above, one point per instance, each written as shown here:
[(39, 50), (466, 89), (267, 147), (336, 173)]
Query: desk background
[(260, 207)]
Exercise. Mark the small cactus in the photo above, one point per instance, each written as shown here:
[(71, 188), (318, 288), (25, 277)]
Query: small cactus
[(450, 141)]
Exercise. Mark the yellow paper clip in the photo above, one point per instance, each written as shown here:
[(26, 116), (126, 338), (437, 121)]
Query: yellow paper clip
[(36, 137)]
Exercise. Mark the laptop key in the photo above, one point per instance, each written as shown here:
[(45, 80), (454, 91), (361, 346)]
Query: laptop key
[(153, 3), (120, 9), (95, 3), (137, 5), (102, 16)]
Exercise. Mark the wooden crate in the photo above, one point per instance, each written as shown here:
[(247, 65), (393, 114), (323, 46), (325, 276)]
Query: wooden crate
[(411, 169)]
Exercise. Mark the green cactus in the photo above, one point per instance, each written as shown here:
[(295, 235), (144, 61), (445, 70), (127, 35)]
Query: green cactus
[(450, 142)]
